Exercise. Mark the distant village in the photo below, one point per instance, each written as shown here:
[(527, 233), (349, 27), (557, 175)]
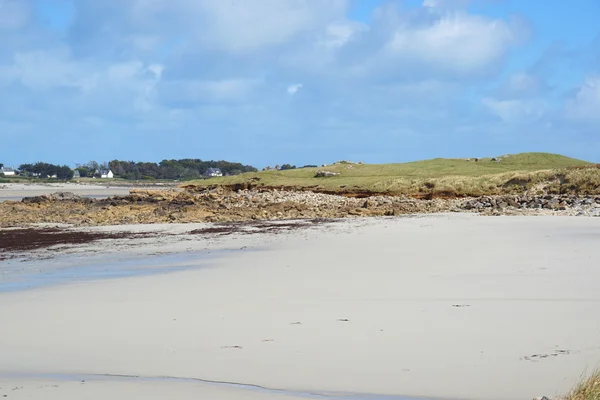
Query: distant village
[(76, 173), (166, 169)]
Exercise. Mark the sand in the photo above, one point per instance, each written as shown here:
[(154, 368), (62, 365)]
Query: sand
[(16, 191), (447, 306)]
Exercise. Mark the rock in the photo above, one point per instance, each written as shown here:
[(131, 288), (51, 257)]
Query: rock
[(65, 196), (324, 174), (513, 203), (369, 204), (356, 211), (246, 202), (35, 199), (160, 212)]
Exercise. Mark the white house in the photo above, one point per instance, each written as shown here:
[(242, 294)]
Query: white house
[(7, 171), (213, 172), (106, 174)]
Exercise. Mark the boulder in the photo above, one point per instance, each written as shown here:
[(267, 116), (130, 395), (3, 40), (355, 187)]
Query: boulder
[(35, 199), (65, 196), (324, 174)]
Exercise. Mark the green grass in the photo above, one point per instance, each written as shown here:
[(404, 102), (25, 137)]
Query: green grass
[(15, 179), (441, 176)]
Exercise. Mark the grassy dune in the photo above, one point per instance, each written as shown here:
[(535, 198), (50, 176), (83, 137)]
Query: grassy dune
[(450, 177)]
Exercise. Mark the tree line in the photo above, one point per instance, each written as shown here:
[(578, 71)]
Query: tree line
[(166, 169), (46, 170), (132, 170)]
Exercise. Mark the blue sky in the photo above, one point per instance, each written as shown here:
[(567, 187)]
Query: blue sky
[(268, 82)]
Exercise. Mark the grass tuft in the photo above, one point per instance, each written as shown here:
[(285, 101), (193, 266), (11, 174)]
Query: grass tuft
[(587, 389)]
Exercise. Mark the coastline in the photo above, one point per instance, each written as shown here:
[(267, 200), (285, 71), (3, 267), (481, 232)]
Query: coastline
[(440, 306), (231, 204)]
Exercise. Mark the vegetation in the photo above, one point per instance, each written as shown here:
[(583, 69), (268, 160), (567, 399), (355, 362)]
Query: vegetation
[(174, 169), (587, 389), (46, 170), (166, 169), (452, 177)]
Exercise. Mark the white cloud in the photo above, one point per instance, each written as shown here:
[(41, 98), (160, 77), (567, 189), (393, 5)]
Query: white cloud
[(585, 105), (293, 89), (46, 69), (521, 85), (14, 14), (459, 42), (244, 26), (234, 25), (190, 92), (445, 4), (338, 34), (516, 110)]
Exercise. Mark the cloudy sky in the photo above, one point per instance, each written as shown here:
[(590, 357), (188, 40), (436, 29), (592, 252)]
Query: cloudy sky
[(297, 81)]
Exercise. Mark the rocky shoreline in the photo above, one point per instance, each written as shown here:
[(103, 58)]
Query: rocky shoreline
[(565, 204), (226, 205)]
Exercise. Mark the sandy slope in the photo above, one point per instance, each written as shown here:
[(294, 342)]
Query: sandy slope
[(442, 306)]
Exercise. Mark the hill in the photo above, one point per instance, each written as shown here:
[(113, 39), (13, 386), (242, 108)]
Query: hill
[(436, 177)]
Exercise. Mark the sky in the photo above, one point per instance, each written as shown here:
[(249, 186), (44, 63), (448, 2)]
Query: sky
[(268, 82)]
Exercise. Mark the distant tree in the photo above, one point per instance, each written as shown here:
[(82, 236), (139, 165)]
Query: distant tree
[(117, 169), (93, 165), (174, 169), (287, 166), (309, 166), (84, 172), (64, 173), (27, 169), (46, 170), (1, 165)]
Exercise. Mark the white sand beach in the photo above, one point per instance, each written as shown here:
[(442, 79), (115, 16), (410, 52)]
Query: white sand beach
[(442, 306)]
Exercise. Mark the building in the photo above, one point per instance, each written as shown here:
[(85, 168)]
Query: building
[(212, 172), (8, 171), (105, 173), (76, 174)]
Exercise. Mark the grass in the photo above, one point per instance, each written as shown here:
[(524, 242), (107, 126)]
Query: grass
[(587, 389), (451, 177)]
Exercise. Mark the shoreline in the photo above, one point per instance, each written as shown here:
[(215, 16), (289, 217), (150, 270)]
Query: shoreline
[(247, 388), (429, 305), (222, 205)]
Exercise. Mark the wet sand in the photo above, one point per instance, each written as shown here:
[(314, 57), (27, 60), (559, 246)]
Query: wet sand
[(446, 306), (16, 191)]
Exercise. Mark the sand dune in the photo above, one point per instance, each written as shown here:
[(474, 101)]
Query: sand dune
[(441, 306)]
